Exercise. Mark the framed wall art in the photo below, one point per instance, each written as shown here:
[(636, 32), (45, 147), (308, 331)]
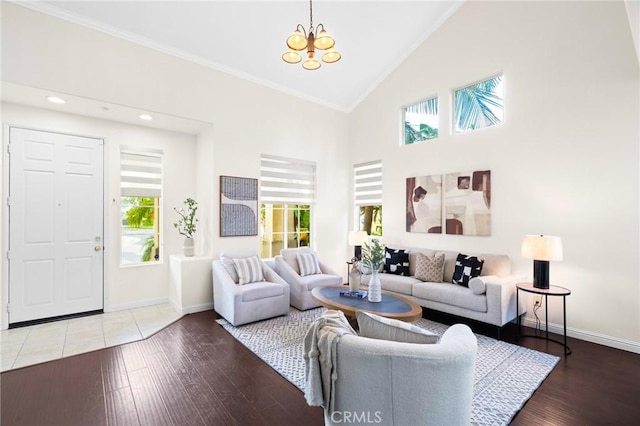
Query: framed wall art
[(467, 202), (238, 206), (454, 203), (424, 204)]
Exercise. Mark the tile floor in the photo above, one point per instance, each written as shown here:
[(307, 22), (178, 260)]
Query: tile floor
[(25, 346)]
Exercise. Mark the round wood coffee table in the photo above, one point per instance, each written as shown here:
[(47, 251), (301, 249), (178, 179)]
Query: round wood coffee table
[(391, 306)]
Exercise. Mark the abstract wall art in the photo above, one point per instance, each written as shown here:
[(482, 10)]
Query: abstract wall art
[(454, 203), (238, 206)]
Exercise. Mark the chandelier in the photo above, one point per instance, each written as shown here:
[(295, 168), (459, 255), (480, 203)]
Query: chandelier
[(315, 38)]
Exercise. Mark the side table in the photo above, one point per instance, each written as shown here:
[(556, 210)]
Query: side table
[(546, 292)]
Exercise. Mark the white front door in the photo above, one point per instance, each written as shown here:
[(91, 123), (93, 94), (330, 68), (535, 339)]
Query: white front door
[(55, 224)]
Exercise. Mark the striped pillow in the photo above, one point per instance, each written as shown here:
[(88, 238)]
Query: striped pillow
[(308, 263), (249, 270)]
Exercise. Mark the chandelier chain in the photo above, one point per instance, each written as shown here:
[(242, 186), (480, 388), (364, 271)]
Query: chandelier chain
[(311, 15)]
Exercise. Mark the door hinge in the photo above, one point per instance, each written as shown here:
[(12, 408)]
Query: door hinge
[(8, 148), (8, 201), (8, 308), (8, 254)]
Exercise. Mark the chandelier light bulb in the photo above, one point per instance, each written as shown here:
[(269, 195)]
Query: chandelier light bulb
[(311, 63), (297, 40), (291, 57), (331, 56), (324, 41)]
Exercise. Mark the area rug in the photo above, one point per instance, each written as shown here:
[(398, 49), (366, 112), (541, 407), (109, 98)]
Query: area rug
[(506, 375)]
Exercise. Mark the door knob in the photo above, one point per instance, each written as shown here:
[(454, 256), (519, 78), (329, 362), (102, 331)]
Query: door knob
[(97, 248)]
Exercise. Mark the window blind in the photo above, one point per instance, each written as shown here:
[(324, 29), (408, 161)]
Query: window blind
[(367, 183), (140, 172), (287, 181)]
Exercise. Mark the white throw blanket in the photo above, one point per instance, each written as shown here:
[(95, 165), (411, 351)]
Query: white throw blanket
[(319, 355)]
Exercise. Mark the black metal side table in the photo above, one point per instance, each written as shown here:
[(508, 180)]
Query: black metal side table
[(546, 292)]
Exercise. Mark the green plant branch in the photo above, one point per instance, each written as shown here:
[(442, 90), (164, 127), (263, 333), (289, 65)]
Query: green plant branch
[(186, 225)]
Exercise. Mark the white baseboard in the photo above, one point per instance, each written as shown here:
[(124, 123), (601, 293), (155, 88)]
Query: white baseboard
[(195, 308), (190, 309), (601, 339), (138, 304)]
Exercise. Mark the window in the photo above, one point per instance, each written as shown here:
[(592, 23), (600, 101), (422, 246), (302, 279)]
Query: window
[(140, 196), (367, 189), (287, 193), (420, 121), (478, 105)]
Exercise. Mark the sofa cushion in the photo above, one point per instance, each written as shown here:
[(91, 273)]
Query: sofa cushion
[(227, 261), (496, 264), (308, 264), (377, 327), (249, 270), (396, 261), (478, 285), (320, 280), (413, 255), (397, 283), (466, 268), (291, 256), (451, 294), (262, 290), (430, 268)]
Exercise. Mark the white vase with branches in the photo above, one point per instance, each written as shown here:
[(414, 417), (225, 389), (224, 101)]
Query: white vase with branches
[(373, 256), (186, 225)]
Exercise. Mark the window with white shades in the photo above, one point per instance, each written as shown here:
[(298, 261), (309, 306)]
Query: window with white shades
[(287, 194), (140, 200)]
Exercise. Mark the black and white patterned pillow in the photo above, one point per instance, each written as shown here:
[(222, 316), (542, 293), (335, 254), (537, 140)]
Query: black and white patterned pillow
[(466, 268), (396, 262)]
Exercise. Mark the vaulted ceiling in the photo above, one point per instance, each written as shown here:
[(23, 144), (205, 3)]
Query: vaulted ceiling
[(247, 38)]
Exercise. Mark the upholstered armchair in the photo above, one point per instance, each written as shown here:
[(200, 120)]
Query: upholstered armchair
[(397, 383), (245, 289), (314, 273)]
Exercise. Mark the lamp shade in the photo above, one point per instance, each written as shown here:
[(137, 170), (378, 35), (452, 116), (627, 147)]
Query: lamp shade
[(297, 40), (542, 247), (357, 238), (331, 56), (324, 41)]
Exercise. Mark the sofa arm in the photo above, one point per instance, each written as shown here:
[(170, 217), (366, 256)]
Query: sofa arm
[(326, 269), (501, 299), (271, 276), (286, 271), (226, 293)]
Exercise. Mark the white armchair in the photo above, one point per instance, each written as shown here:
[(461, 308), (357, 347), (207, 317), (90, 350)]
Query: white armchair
[(254, 301), (397, 383), (288, 268)]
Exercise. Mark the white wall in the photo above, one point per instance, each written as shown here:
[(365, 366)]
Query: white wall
[(247, 119), (127, 285), (564, 162)]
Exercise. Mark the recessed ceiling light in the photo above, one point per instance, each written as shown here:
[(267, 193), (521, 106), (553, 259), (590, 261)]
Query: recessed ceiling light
[(146, 117), (56, 100)]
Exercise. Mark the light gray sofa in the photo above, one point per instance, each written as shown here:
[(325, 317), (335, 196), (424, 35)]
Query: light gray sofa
[(241, 304), (286, 265), (395, 383), (496, 305)]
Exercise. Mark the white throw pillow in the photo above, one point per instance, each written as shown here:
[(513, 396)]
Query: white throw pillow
[(249, 270), (308, 264), (377, 327), (478, 285)]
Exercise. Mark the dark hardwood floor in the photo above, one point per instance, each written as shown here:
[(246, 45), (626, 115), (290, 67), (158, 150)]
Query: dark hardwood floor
[(193, 372)]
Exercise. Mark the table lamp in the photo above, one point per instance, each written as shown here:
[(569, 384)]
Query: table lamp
[(356, 239), (542, 249)]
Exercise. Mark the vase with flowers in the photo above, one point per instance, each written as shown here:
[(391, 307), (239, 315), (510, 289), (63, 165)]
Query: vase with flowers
[(186, 225), (373, 255)]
